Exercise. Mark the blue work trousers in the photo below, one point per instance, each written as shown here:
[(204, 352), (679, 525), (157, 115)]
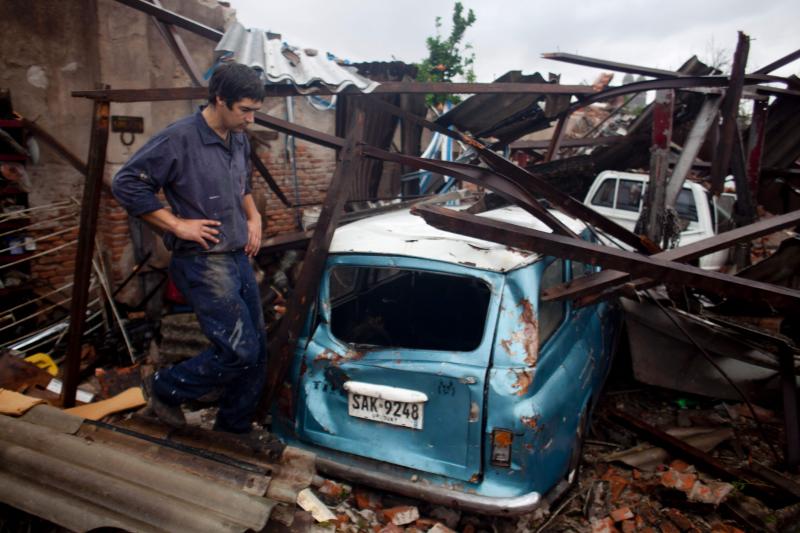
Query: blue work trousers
[(222, 290)]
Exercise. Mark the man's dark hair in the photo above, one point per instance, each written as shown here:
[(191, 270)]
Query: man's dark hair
[(234, 81)]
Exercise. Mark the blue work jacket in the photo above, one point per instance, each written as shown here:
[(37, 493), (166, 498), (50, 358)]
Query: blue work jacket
[(202, 178)]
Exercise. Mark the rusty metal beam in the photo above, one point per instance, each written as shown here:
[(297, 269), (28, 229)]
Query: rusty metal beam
[(532, 184), (729, 113), (775, 65), (487, 178), (755, 143), (791, 413), (301, 132), (398, 87), (265, 173), (558, 136), (283, 346), (595, 283), (90, 205), (688, 82), (566, 203), (60, 149), (179, 49), (170, 17), (611, 65), (573, 143), (622, 260)]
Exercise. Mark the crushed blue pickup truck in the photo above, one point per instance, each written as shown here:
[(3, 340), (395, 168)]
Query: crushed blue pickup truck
[(430, 367)]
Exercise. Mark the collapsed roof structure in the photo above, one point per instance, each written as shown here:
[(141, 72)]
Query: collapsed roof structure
[(684, 113)]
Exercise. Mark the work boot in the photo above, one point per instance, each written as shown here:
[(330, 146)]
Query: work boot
[(171, 415)]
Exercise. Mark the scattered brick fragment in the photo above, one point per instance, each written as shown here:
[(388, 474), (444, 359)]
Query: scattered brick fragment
[(681, 466), (674, 479), (366, 499), (333, 489), (628, 526), (391, 528), (603, 525), (679, 519), (425, 523), (712, 492), (450, 517), (668, 527), (401, 515), (623, 513), (440, 528)]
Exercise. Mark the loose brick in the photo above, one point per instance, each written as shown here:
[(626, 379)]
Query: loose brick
[(623, 513), (401, 515)]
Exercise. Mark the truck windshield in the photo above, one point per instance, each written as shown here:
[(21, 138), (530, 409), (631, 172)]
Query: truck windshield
[(406, 308)]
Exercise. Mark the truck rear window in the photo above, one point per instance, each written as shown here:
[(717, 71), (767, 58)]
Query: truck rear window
[(403, 308)]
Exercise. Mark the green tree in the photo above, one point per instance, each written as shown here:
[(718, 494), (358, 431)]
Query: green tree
[(447, 58)]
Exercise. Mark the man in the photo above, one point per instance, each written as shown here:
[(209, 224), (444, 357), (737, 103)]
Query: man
[(202, 164)]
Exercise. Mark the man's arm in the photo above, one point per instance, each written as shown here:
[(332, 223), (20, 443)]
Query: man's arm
[(253, 226), (197, 230)]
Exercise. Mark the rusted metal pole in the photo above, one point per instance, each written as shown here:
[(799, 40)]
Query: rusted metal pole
[(755, 144), (283, 346), (179, 49), (594, 283), (730, 111), (83, 256), (791, 415), (51, 141), (636, 264), (663, 110), (555, 140)]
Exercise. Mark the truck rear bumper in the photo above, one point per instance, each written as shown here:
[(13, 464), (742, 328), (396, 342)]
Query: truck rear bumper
[(439, 495)]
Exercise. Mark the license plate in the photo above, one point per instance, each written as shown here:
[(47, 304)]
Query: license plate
[(406, 414)]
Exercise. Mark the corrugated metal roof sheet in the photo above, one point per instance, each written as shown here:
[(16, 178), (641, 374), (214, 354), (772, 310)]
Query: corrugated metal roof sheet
[(401, 233), (281, 62), (81, 484), (505, 116)]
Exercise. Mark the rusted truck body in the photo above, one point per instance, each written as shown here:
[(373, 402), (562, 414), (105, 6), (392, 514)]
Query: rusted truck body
[(431, 367)]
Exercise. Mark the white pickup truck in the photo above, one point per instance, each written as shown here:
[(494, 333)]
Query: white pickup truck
[(620, 195)]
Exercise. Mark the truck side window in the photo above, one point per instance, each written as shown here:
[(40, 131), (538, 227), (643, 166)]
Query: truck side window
[(604, 197), (685, 205), (629, 196), (551, 313)]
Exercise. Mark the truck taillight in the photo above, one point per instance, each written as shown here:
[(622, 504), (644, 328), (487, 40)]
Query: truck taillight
[(501, 447)]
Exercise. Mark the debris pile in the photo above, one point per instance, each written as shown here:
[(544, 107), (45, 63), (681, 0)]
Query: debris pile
[(669, 493)]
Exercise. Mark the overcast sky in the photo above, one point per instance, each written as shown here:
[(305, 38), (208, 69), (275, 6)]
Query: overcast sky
[(511, 35)]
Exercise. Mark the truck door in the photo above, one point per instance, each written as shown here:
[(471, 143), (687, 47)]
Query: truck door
[(396, 369)]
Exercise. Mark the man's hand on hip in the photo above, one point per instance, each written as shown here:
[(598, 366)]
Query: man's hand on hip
[(200, 231)]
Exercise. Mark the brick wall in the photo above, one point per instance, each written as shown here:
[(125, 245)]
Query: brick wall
[(315, 166)]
